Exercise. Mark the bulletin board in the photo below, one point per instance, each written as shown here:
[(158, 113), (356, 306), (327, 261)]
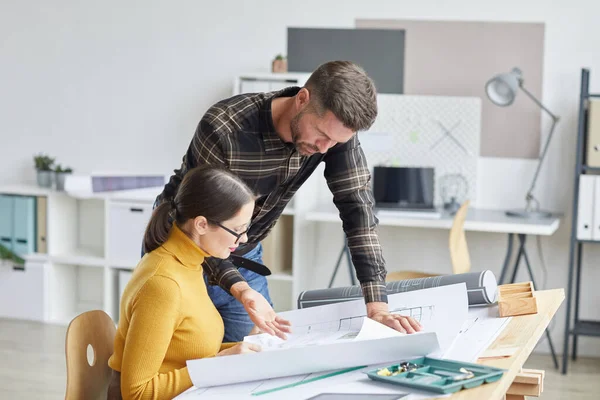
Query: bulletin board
[(457, 58), (442, 132)]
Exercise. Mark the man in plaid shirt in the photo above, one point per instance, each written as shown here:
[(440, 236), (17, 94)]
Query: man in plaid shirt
[(274, 142)]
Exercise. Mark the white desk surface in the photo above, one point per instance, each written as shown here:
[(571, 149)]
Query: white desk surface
[(479, 220)]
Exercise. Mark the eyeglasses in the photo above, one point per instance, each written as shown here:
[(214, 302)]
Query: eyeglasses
[(234, 233)]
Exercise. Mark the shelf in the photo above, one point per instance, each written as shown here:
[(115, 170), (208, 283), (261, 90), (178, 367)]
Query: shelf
[(29, 190), (587, 328), (588, 241), (81, 256), (590, 169), (36, 257), (119, 265), (281, 277), (288, 211)]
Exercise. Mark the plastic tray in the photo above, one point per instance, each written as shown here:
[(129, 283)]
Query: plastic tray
[(437, 375)]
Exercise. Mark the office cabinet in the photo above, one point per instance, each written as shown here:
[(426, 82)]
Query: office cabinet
[(253, 86), (22, 291), (268, 82), (127, 224), (81, 245)]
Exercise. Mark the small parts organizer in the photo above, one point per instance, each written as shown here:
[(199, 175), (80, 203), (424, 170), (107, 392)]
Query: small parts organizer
[(516, 299)]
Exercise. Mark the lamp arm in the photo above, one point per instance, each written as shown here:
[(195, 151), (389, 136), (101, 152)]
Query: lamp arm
[(529, 197), (536, 101)]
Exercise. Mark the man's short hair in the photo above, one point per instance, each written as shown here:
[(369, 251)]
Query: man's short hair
[(346, 90)]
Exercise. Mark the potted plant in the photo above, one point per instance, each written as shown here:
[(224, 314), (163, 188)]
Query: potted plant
[(279, 64), (43, 166), (6, 254), (61, 175)]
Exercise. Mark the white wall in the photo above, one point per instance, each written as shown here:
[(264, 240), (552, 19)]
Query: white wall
[(122, 85)]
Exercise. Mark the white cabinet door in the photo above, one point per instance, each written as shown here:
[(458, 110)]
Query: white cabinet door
[(252, 86), (127, 224), (22, 291)]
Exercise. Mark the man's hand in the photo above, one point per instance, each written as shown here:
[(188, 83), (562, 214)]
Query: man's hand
[(260, 311), (380, 312)]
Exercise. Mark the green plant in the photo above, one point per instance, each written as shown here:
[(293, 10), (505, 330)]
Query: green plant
[(6, 254), (43, 162), (280, 57), (60, 169)]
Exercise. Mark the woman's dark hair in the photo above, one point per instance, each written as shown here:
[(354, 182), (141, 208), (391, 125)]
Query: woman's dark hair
[(207, 191)]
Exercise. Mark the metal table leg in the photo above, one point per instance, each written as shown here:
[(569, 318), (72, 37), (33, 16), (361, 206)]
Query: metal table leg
[(337, 265), (577, 290), (345, 251), (506, 258), (350, 265), (522, 238)]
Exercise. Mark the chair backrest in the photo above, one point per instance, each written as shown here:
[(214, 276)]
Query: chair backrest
[(92, 332), (459, 252)]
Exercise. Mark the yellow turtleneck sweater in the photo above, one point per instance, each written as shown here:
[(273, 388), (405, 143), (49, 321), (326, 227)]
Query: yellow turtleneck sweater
[(166, 319)]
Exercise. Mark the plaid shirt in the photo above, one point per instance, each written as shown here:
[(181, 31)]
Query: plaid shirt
[(238, 133)]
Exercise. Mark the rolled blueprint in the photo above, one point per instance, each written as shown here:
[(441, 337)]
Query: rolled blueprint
[(482, 288)]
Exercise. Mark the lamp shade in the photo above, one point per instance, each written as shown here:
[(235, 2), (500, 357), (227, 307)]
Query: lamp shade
[(502, 89)]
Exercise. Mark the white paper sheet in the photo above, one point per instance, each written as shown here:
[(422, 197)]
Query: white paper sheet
[(228, 370), (369, 330), (351, 382), (441, 310), (480, 330)]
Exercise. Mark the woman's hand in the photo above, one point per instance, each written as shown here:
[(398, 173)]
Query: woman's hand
[(260, 311), (240, 348)]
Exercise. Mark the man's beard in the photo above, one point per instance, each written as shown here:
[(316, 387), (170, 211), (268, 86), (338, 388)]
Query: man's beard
[(303, 148)]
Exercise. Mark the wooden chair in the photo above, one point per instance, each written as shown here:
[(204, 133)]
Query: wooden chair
[(459, 252), (91, 332)]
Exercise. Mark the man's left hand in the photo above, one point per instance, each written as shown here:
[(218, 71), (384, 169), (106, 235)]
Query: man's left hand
[(262, 314), (380, 313)]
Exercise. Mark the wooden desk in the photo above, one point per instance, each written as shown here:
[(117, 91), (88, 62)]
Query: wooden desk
[(523, 332), (478, 220)]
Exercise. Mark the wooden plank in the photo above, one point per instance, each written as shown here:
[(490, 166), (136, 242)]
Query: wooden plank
[(498, 353), (514, 397), (528, 379), (522, 332), (515, 307), (539, 372), (524, 389)]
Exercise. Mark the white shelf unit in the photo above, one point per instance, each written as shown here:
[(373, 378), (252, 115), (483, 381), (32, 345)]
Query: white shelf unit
[(93, 244), (86, 248), (267, 82)]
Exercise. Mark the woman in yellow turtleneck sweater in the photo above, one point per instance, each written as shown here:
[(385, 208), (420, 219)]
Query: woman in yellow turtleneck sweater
[(167, 316)]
